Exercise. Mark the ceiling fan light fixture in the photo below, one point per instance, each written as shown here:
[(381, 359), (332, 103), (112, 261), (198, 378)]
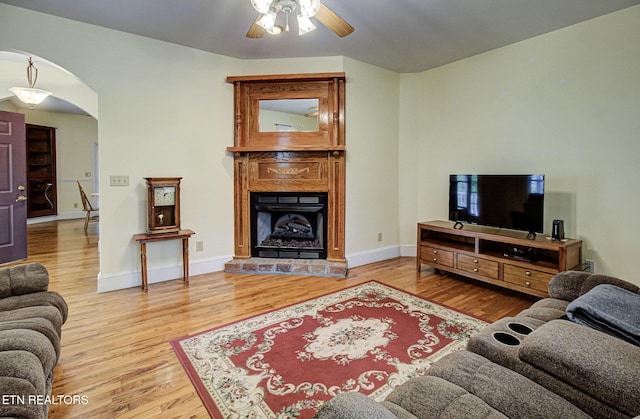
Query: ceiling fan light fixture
[(304, 24), (304, 10), (309, 8), (268, 21), (276, 30), (262, 6)]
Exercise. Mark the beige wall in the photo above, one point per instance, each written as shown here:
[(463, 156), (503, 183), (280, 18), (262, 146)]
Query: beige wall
[(565, 104), (372, 161)]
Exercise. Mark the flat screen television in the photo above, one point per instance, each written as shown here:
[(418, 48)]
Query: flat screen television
[(507, 201)]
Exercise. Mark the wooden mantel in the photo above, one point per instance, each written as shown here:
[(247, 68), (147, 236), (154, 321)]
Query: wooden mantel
[(289, 161)]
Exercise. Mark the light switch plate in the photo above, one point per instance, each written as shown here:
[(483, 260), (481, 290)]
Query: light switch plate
[(119, 180)]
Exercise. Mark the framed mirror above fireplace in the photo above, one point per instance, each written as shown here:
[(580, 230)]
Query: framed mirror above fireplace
[(322, 96)]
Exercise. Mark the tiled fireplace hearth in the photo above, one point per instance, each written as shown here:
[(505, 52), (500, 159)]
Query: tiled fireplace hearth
[(289, 187)]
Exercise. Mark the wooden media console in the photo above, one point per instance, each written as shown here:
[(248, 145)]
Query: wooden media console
[(506, 258)]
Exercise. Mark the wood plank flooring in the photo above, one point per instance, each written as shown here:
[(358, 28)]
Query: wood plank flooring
[(115, 345)]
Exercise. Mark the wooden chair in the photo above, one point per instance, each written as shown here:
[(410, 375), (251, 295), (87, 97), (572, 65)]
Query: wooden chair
[(92, 213)]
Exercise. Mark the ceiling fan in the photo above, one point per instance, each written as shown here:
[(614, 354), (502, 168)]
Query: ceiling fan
[(304, 10)]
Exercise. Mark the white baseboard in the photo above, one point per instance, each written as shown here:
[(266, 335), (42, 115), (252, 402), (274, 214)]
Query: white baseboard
[(124, 280), (62, 216), (197, 267), (374, 255), (408, 250)]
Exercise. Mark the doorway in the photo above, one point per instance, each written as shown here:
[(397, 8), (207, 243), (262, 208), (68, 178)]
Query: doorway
[(76, 145)]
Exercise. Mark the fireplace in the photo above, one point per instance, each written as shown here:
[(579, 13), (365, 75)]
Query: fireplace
[(289, 225), (289, 187)]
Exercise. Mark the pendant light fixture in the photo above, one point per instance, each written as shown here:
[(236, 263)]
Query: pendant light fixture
[(30, 95)]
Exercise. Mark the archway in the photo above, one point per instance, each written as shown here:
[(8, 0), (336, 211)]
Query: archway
[(72, 109)]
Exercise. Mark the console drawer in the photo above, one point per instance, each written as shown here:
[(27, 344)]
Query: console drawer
[(431, 255), (529, 278), (479, 266)]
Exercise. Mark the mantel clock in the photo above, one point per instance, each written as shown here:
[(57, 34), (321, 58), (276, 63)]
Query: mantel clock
[(163, 205)]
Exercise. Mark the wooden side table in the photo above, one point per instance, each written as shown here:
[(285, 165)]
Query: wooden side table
[(144, 238)]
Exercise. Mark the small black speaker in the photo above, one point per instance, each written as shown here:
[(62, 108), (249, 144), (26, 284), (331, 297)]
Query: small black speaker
[(557, 231)]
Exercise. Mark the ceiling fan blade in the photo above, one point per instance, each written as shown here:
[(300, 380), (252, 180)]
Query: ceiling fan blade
[(334, 22), (256, 31)]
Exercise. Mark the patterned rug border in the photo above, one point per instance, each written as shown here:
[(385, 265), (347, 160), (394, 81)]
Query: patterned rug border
[(195, 379)]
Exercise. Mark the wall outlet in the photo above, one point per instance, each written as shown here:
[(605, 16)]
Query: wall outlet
[(87, 174), (75, 205), (589, 265), (199, 246), (121, 180), (379, 237)]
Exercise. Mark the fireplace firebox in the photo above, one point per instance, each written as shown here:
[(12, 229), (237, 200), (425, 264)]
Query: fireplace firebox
[(288, 225)]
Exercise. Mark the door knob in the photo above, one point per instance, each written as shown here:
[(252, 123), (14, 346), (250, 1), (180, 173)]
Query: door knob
[(21, 188), (21, 198)]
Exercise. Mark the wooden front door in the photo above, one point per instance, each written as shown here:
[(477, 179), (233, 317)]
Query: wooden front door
[(13, 185)]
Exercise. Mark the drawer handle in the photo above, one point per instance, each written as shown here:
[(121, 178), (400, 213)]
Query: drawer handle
[(528, 283), (475, 269), (435, 252), (435, 259), (527, 273), (475, 261)]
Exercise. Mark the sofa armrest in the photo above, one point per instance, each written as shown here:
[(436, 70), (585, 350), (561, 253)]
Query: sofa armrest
[(602, 366), (23, 279), (569, 285)]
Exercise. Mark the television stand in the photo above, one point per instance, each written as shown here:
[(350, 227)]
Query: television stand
[(506, 258)]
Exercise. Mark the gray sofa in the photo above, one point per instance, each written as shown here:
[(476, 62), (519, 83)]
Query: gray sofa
[(31, 318), (537, 364)]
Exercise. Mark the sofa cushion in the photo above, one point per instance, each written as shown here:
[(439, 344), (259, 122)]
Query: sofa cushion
[(355, 404), (544, 314), (39, 325), (551, 303), (569, 285), (434, 397), (506, 391), (601, 366), (29, 341), (23, 279), (23, 401), (566, 285), (20, 372), (36, 299), (596, 279), (44, 312)]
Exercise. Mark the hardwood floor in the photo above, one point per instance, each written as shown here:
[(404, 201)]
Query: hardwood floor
[(115, 345)]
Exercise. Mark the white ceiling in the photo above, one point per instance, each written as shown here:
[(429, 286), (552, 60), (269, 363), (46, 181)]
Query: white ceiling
[(405, 35)]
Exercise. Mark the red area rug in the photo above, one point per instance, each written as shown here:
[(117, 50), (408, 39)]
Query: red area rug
[(286, 363)]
